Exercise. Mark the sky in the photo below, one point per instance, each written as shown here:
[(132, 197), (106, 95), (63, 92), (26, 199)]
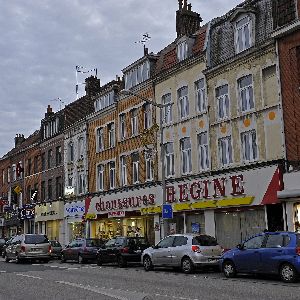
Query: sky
[(41, 42)]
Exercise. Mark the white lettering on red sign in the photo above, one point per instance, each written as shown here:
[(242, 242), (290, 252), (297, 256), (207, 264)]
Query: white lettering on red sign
[(116, 214)]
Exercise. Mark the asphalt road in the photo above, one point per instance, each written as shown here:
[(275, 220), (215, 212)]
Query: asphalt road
[(73, 281)]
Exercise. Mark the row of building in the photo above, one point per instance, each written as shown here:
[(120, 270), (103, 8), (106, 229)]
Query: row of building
[(226, 95)]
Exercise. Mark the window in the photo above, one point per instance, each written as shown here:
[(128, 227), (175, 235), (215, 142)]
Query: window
[(35, 194), (112, 175), (100, 177), (149, 166), (205, 240), (80, 148), (35, 164), (134, 122), (182, 51), (111, 135), (147, 115), (58, 186), (167, 111), (183, 102), (14, 172), (186, 156), (104, 101), (100, 139), (254, 243), (49, 189), (49, 158), (225, 151), (81, 184), (246, 93), (3, 177), (8, 175), (29, 166), (275, 241), (243, 34), (29, 193), (200, 95), (43, 161), (137, 75), (166, 242), (180, 241), (43, 191), (249, 146), (123, 170), (122, 127), (169, 159), (222, 101), (135, 167), (203, 151)]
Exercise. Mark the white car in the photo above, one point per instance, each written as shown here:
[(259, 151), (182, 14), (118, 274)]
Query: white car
[(187, 251)]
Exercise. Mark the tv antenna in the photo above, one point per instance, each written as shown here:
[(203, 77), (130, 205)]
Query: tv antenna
[(82, 70), (145, 38)]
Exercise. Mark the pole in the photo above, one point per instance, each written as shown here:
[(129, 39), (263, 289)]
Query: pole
[(163, 175)]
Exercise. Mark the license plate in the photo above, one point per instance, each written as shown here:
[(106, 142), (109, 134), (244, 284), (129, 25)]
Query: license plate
[(138, 251), (212, 259), (35, 249)]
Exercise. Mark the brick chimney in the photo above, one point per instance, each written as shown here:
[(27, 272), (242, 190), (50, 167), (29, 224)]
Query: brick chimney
[(49, 111), (92, 86), (187, 21), (19, 139)]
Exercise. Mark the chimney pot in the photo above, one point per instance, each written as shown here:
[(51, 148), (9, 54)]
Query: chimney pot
[(190, 7), (145, 51), (185, 4), (180, 4)]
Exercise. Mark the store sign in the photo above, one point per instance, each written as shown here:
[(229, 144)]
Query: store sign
[(74, 209), (26, 212), (69, 191), (116, 214), (49, 211)]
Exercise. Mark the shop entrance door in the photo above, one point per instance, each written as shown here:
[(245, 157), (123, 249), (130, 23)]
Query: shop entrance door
[(275, 217)]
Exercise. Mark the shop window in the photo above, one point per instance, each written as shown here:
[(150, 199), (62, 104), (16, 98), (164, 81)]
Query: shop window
[(134, 122), (183, 102), (112, 175), (169, 159), (200, 96), (147, 115), (186, 156), (249, 146), (135, 167), (167, 110), (245, 85), (122, 120), (222, 97), (100, 139), (243, 33), (203, 151), (123, 170), (100, 177), (225, 151), (111, 135)]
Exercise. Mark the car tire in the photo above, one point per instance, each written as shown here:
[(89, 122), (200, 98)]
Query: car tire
[(288, 273), (63, 259), (187, 265), (81, 260), (121, 261), (99, 261), (3, 254), (229, 269), (147, 263), (18, 259), (6, 258)]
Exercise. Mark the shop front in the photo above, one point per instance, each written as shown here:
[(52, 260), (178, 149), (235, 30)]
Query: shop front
[(73, 220), (131, 213), (26, 214), (231, 206), (49, 220)]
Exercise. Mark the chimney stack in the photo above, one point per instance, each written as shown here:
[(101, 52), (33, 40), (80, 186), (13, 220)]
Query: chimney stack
[(145, 51), (19, 139), (49, 111), (187, 21), (92, 86)]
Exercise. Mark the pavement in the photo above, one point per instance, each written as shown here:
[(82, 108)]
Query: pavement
[(57, 280)]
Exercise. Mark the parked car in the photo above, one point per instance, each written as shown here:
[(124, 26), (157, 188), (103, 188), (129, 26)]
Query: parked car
[(56, 249), (2, 244), (122, 250), (28, 247), (8, 242), (82, 250), (187, 251), (266, 253)]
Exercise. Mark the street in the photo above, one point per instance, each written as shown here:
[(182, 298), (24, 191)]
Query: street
[(73, 281)]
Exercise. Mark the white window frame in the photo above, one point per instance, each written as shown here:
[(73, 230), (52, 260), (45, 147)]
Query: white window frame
[(81, 183), (167, 110), (182, 51), (147, 116), (80, 147), (249, 146), (186, 157), (100, 139), (169, 160), (223, 103), (242, 28), (134, 122), (200, 96), (14, 172), (203, 151), (123, 170), (111, 135), (183, 102), (100, 177), (149, 167), (227, 141), (248, 90), (8, 174), (135, 168), (122, 119), (112, 174)]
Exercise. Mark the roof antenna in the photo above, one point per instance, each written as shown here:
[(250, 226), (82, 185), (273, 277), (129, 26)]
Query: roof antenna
[(145, 38), (83, 70)]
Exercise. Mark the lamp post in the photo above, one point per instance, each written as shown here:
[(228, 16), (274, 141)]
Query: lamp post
[(162, 147)]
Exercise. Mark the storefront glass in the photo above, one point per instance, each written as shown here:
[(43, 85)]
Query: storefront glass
[(195, 223), (76, 230)]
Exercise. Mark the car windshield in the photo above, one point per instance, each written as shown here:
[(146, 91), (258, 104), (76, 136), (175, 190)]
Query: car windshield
[(137, 241), (94, 242), (36, 239), (204, 240), (55, 244)]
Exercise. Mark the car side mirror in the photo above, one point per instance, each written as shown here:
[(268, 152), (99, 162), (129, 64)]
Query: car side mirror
[(240, 246), (156, 247)]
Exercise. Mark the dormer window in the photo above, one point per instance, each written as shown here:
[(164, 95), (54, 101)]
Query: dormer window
[(104, 101), (137, 75), (182, 51), (243, 33)]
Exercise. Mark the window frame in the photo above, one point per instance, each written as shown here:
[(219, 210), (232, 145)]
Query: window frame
[(186, 156), (242, 27), (229, 151), (112, 174), (111, 134), (169, 160), (223, 99), (248, 99), (135, 168), (200, 96), (134, 121), (100, 139), (122, 126), (100, 177), (251, 149), (167, 110), (203, 148), (148, 168), (123, 170), (183, 102)]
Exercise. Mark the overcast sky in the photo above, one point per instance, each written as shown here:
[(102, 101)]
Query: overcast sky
[(41, 42)]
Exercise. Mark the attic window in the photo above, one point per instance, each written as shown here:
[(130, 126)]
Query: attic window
[(137, 75), (104, 101), (243, 33), (182, 51)]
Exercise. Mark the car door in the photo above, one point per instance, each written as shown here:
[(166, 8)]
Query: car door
[(107, 251), (178, 249), (76, 249), (120, 241), (248, 257), (162, 252), (68, 251), (10, 251)]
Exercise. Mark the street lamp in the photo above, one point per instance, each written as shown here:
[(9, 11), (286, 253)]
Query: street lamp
[(162, 147)]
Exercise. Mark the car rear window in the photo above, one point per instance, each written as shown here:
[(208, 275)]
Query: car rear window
[(204, 240), (137, 241), (94, 243), (36, 239), (55, 244)]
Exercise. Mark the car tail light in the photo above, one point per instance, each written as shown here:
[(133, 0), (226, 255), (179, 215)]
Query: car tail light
[(196, 249), (125, 250), (298, 250), (85, 249), (22, 248), (49, 249)]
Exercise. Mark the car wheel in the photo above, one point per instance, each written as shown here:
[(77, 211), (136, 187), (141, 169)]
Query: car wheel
[(288, 273), (81, 260), (187, 266), (63, 259), (99, 261), (147, 263), (18, 260), (3, 254), (229, 269), (6, 258), (121, 261)]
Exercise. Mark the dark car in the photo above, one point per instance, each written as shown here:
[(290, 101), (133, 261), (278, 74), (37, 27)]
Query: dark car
[(56, 249), (2, 244), (122, 250), (8, 242), (82, 250), (267, 253)]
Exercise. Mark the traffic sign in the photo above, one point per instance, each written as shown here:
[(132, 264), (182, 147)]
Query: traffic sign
[(167, 211)]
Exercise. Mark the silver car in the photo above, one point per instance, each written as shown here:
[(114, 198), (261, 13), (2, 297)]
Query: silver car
[(29, 247), (187, 251)]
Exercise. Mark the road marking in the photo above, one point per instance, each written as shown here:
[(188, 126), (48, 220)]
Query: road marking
[(29, 276), (2, 271), (53, 266)]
